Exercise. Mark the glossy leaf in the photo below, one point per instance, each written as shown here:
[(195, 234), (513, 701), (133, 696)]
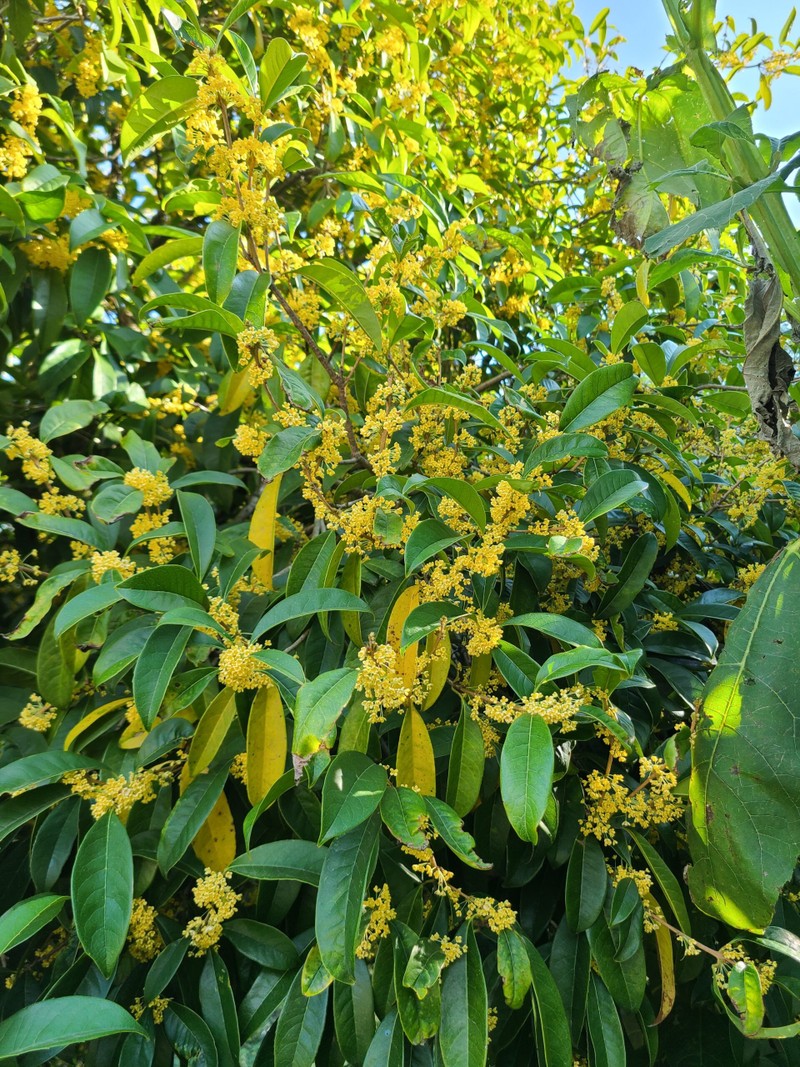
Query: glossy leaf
[(102, 891), (526, 772)]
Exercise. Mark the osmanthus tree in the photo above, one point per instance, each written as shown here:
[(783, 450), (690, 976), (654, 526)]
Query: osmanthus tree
[(374, 514)]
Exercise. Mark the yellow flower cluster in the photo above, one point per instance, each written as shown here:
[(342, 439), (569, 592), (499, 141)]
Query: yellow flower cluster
[(88, 73), (50, 253), (37, 715), (224, 613), (255, 347), (381, 914), (746, 576), (214, 895), (158, 1007), (10, 564), (498, 915), (452, 947), (153, 486), (380, 681), (651, 803), (14, 155), (144, 940), (26, 107), (249, 440), (54, 502), (103, 562), (35, 454), (663, 622), (117, 794), (239, 669)]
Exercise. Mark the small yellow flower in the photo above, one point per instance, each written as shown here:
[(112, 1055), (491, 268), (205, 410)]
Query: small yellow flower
[(154, 487)]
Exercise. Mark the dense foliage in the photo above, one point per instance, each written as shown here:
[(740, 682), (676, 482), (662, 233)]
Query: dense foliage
[(375, 509)]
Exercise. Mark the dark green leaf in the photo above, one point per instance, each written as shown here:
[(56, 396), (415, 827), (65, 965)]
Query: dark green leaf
[(102, 891)]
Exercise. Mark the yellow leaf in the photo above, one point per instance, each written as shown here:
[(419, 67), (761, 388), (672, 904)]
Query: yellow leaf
[(235, 389), (665, 962), (215, 843), (641, 282), (266, 743), (439, 649), (262, 531), (406, 661), (678, 487), (90, 720), (211, 731), (416, 768), (480, 670)]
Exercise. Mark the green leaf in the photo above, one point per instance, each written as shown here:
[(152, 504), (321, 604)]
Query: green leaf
[(715, 217), (625, 981), (116, 500), (427, 539), (463, 1037), (632, 576), (285, 448), (563, 629), (163, 588), (466, 764), (102, 891), (187, 817), (262, 943), (343, 883), (667, 882), (201, 529), (56, 667), (345, 287), (352, 790), (211, 731), (218, 1005), (565, 664), (746, 765), (587, 882), (527, 761), (386, 1047), (189, 1035), (89, 281), (180, 248), (164, 967), (41, 768), (294, 861), (86, 226), (319, 704), (404, 813), (27, 917), (462, 492), (445, 396), (627, 321), (514, 967), (610, 491), (203, 314), (160, 107), (451, 830), (570, 965), (605, 1029), (744, 993), (61, 1021), (565, 446), (69, 416), (316, 975), (91, 601), (600, 394), (426, 618), (420, 1018), (161, 654), (306, 603), (220, 257), (19, 810), (279, 70), (553, 1039), (300, 1025), (517, 667), (15, 502), (63, 526), (354, 1015)]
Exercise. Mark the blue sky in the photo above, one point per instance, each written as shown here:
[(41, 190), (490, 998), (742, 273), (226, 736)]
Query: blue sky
[(645, 26)]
